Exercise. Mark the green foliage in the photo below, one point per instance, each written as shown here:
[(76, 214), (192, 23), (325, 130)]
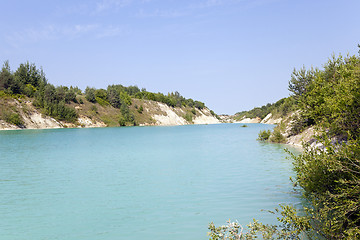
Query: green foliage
[(193, 111), (24, 81), (125, 98), (284, 106), (29, 90), (172, 99), (113, 96), (94, 108), (127, 118), (122, 121), (28, 74), (30, 81), (199, 105), (291, 226), (188, 116), (141, 109), (332, 98), (330, 177), (264, 135), (66, 94), (277, 137), (76, 90), (281, 108), (90, 94), (13, 118), (299, 124), (232, 230), (6, 78), (53, 102), (300, 81), (102, 101), (101, 94), (60, 111)]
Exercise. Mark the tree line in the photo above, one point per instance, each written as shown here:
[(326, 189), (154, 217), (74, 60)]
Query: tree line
[(116, 95), (280, 108), (30, 81), (54, 101)]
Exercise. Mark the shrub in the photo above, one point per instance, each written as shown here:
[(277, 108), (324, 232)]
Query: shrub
[(13, 118), (90, 94), (94, 108), (264, 135), (277, 137), (188, 116), (291, 226), (127, 116), (102, 102), (122, 121), (330, 178)]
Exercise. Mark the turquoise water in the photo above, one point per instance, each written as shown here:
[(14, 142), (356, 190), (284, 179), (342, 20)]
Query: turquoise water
[(137, 182)]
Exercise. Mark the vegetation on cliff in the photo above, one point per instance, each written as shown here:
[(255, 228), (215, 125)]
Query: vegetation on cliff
[(278, 109), (116, 105), (328, 176)]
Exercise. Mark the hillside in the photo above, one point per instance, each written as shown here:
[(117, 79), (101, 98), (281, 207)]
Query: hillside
[(323, 116), (28, 101)]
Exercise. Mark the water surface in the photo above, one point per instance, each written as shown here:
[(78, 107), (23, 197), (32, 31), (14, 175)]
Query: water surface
[(137, 182)]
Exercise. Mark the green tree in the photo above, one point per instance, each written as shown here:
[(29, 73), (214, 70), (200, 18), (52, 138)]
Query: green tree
[(300, 81), (101, 93), (28, 74), (90, 94), (330, 177), (333, 98), (113, 97), (264, 135), (6, 77)]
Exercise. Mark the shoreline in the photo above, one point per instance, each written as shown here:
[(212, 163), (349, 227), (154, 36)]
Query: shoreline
[(87, 127)]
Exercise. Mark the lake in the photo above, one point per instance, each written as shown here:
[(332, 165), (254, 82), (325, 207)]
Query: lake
[(138, 182)]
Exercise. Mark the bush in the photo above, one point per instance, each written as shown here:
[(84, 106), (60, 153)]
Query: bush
[(277, 137), (299, 124), (330, 178), (122, 121), (90, 94), (13, 118), (60, 111), (102, 102), (264, 135), (127, 116), (291, 226), (188, 116), (94, 108)]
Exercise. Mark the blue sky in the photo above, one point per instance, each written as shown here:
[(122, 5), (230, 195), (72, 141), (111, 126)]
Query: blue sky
[(231, 54)]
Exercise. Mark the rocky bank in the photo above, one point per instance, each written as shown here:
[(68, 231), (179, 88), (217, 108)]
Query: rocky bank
[(154, 113)]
